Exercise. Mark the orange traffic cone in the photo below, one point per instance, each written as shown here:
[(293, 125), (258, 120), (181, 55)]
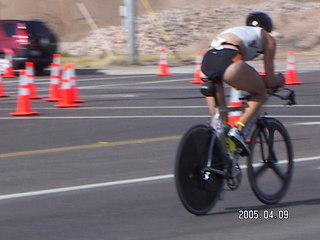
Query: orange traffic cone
[(74, 88), (234, 116), (197, 74), (163, 63), (56, 58), (24, 104), (66, 100), (54, 88), (9, 70), (2, 93), (291, 77), (30, 81)]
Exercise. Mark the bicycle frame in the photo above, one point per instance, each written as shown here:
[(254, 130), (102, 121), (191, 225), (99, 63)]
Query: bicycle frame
[(231, 155), (208, 170), (230, 162), (206, 158)]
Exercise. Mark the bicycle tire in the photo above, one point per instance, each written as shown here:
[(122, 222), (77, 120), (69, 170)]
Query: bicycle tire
[(270, 172), (197, 195)]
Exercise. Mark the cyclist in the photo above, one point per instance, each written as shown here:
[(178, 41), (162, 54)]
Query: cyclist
[(227, 59)]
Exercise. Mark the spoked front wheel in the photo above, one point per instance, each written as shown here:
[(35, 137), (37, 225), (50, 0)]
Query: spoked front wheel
[(197, 188), (270, 164)]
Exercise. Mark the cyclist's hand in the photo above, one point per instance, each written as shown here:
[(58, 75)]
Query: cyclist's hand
[(276, 82)]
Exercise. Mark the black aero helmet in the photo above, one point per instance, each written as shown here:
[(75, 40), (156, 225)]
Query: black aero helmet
[(260, 19)]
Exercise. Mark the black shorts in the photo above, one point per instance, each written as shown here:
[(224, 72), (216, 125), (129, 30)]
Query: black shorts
[(215, 62)]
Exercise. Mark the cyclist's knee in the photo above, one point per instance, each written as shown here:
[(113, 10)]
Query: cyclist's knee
[(262, 91), (259, 94)]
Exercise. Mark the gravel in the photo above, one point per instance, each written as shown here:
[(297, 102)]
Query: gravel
[(178, 28)]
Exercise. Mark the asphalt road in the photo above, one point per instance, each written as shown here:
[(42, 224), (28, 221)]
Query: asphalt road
[(103, 170)]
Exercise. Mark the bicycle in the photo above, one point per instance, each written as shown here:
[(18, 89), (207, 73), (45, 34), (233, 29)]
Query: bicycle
[(206, 157)]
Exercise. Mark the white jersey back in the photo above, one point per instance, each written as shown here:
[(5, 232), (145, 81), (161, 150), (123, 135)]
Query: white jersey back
[(251, 38)]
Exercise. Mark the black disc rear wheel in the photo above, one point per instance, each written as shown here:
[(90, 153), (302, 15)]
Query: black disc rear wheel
[(197, 193)]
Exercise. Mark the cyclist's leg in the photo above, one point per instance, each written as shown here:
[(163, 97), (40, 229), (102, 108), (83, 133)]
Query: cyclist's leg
[(243, 77), (222, 102), (211, 104)]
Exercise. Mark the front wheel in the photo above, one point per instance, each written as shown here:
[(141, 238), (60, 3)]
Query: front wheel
[(198, 193), (270, 164)]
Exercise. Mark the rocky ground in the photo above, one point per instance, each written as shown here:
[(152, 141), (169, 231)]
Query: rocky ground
[(190, 29)]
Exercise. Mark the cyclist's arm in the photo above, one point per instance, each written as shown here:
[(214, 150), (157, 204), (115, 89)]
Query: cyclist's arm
[(272, 80)]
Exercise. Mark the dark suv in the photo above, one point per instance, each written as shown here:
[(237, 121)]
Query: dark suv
[(29, 40)]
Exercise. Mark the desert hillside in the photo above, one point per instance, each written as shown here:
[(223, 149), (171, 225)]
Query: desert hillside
[(188, 25), (66, 19)]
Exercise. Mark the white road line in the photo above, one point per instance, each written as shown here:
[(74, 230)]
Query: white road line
[(112, 183), (135, 84), (140, 88), (45, 81), (105, 78), (126, 108), (104, 117), (148, 107), (151, 117), (294, 106), (83, 187), (308, 123), (109, 78), (295, 116)]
